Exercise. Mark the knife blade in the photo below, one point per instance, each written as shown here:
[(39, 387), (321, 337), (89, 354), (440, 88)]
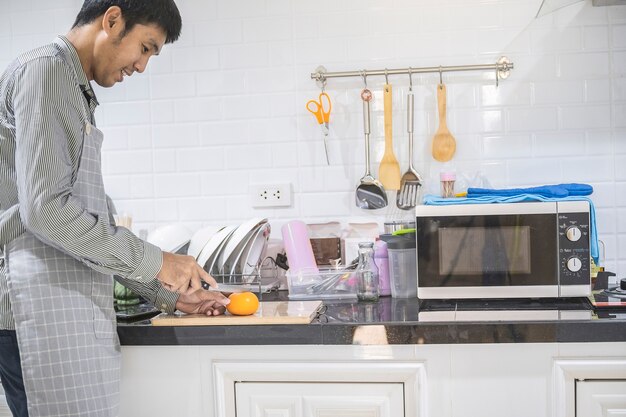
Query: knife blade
[(228, 288)]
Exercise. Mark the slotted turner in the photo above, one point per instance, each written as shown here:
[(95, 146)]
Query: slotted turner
[(411, 181), (389, 168)]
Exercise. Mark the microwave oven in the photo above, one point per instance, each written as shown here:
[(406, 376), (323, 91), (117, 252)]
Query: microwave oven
[(503, 250)]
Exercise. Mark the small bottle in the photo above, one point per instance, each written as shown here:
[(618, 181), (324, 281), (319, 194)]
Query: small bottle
[(447, 184), (367, 273), (381, 257)]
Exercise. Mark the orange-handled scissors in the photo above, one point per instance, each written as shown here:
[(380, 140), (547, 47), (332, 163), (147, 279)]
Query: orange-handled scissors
[(321, 110)]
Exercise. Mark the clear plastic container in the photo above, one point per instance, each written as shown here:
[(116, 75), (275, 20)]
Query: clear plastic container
[(402, 266), (314, 284)]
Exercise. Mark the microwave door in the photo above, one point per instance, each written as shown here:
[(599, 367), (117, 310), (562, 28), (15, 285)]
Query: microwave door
[(490, 256)]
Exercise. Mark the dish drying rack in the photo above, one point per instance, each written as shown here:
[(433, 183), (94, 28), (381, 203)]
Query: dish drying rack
[(262, 280)]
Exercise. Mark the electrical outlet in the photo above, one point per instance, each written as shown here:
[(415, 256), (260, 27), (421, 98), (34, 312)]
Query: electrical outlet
[(270, 195)]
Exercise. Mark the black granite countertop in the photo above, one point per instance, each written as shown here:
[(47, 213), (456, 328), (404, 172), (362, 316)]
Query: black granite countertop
[(407, 321)]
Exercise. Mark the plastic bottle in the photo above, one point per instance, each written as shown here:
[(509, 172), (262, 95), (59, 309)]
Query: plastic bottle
[(367, 274), (381, 257)]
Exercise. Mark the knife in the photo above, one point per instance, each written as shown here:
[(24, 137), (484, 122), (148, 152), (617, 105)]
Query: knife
[(228, 288)]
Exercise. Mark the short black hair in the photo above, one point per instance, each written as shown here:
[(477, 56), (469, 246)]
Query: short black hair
[(162, 13)]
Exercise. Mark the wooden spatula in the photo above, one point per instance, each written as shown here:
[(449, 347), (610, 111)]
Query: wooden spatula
[(389, 169), (444, 144)]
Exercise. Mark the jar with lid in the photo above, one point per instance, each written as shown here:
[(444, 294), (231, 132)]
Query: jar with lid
[(447, 184), (367, 274)]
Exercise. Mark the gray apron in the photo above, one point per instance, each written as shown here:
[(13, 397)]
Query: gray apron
[(64, 314)]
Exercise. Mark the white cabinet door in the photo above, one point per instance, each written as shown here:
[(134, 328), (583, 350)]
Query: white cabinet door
[(319, 399), (601, 398)]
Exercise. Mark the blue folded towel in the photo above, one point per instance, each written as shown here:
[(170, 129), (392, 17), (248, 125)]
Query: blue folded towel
[(434, 200), (555, 191)]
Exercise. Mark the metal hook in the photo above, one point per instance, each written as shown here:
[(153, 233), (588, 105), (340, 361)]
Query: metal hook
[(320, 77), (440, 75), (386, 77), (366, 94), (497, 75), (410, 80)]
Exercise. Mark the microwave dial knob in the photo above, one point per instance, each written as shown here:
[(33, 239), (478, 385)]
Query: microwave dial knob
[(574, 264), (573, 234)]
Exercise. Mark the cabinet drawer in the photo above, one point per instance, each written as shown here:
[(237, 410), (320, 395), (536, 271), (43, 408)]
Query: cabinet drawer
[(319, 399), (601, 398)]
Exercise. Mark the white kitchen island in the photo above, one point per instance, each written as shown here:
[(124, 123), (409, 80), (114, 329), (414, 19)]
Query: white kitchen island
[(488, 380), (363, 364)]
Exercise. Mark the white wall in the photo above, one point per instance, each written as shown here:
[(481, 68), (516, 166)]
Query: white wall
[(224, 106)]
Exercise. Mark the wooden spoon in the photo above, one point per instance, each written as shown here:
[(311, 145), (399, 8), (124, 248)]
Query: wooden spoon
[(389, 169), (444, 144)]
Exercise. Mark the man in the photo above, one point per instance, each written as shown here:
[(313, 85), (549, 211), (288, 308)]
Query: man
[(59, 351)]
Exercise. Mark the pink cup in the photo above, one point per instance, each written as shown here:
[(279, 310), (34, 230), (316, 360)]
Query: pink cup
[(298, 247)]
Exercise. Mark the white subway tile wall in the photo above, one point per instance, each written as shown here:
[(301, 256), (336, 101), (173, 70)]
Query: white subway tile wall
[(223, 107)]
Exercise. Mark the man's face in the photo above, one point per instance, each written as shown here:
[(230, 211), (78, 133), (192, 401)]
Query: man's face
[(116, 57)]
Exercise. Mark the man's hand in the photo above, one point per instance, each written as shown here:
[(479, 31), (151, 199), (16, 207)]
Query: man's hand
[(210, 303), (182, 274)]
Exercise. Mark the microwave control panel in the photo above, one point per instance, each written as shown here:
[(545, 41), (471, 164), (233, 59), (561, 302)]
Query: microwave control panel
[(574, 238)]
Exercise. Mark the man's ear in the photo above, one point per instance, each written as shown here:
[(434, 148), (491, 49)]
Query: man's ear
[(112, 21)]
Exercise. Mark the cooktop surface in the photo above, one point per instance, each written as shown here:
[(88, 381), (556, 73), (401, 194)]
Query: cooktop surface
[(506, 309)]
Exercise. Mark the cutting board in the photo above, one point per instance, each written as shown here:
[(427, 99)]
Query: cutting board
[(269, 312)]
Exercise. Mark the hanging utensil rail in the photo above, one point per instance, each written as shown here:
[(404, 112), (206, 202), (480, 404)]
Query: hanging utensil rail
[(502, 69)]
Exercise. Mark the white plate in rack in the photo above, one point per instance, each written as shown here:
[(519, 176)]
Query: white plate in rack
[(212, 262), (200, 239), (253, 252), (212, 247), (170, 237), (228, 267), (235, 243)]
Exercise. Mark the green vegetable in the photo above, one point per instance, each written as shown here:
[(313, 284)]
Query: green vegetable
[(124, 296), (131, 302)]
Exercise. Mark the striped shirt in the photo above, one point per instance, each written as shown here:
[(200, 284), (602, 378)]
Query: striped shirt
[(44, 96)]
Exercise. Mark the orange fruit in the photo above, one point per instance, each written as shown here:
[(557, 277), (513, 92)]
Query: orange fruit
[(243, 304)]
